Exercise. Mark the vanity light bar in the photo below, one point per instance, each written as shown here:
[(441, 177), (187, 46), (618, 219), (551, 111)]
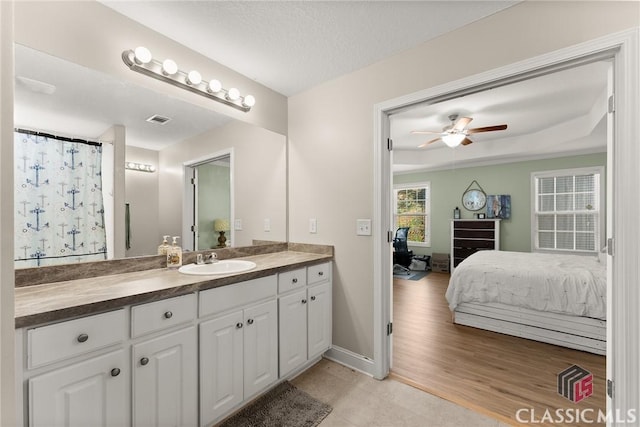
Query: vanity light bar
[(142, 167), (140, 60)]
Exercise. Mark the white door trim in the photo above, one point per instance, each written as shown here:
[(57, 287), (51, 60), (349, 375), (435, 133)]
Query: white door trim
[(625, 324)]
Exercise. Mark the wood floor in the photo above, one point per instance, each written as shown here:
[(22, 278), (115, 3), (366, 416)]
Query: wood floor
[(492, 373)]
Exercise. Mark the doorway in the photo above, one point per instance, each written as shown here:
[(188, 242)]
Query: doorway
[(208, 210), (622, 49)]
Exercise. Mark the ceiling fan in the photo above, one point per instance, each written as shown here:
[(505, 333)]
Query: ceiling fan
[(456, 133)]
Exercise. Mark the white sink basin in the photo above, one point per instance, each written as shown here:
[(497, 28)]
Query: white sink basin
[(221, 267)]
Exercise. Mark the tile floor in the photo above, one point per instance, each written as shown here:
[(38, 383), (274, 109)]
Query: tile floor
[(359, 400)]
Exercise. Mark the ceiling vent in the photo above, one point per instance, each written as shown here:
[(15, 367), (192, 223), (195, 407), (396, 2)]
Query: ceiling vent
[(158, 119)]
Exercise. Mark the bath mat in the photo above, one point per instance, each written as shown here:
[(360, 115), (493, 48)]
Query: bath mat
[(284, 406)]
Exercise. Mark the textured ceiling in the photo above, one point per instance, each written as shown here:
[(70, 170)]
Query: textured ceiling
[(290, 46)]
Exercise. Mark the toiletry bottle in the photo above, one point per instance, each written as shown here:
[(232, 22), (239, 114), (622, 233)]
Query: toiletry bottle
[(164, 247), (174, 255), (456, 213)]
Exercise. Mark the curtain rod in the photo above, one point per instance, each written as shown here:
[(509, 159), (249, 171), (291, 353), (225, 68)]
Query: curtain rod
[(61, 138)]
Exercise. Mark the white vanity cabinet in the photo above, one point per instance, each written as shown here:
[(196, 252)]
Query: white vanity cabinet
[(305, 323), (165, 366), (238, 345), (90, 392)]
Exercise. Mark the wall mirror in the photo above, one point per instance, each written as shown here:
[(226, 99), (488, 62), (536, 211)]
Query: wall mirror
[(57, 97)]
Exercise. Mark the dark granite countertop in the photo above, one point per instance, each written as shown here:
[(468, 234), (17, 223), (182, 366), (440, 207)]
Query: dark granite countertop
[(63, 300)]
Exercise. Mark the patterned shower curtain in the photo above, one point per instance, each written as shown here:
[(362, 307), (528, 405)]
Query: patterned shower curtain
[(59, 210)]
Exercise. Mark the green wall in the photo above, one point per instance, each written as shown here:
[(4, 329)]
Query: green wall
[(214, 201), (511, 178)]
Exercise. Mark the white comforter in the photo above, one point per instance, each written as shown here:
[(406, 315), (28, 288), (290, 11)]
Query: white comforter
[(567, 284)]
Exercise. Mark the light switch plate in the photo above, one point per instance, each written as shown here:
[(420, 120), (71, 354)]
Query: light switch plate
[(237, 224), (363, 227), (313, 225)]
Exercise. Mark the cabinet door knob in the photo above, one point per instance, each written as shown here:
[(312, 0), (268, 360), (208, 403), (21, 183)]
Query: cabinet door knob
[(239, 325), (82, 337), (250, 321), (115, 372), (304, 301), (144, 361), (313, 298), (168, 315), (295, 280)]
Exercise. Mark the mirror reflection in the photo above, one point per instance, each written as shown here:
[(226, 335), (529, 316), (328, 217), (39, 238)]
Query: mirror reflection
[(57, 97)]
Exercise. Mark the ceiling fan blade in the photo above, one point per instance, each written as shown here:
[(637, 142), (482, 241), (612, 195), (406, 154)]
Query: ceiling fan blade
[(425, 132), (466, 141), (428, 142), (486, 129), (461, 123)]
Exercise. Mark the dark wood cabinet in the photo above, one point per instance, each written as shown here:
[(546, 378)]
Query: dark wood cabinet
[(471, 235)]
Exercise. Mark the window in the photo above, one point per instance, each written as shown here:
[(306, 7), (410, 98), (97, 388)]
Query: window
[(412, 208), (567, 210)]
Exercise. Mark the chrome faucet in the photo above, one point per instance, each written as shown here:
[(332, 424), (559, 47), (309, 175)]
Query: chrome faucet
[(211, 258), (206, 259)]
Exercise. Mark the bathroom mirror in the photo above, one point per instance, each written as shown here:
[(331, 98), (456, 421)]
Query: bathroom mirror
[(58, 97)]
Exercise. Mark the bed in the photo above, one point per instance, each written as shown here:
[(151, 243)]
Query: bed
[(557, 299)]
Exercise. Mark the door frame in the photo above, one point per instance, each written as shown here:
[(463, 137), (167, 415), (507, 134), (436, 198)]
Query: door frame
[(624, 325), (189, 208)]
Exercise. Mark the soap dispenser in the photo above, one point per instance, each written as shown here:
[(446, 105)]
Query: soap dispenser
[(174, 254), (164, 246)]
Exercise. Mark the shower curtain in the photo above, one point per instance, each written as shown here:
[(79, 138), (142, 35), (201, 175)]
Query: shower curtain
[(59, 210)]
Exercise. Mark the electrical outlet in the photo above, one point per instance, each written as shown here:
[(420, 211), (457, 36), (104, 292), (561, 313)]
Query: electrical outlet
[(267, 224), (313, 225), (363, 227), (237, 224)]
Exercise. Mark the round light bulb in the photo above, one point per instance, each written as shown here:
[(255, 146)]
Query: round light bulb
[(141, 55), (233, 94), (131, 165), (249, 101), (194, 78), (169, 67), (214, 86)]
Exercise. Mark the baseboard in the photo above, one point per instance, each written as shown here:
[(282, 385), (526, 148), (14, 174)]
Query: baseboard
[(350, 359)]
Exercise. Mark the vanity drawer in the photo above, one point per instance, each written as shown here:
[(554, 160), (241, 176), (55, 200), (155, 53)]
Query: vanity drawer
[(52, 343), (227, 297), (292, 280), (154, 316), (318, 273)]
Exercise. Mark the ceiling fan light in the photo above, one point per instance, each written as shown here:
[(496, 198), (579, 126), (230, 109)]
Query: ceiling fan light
[(453, 139)]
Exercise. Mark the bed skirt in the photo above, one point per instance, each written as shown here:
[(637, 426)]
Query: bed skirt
[(580, 333)]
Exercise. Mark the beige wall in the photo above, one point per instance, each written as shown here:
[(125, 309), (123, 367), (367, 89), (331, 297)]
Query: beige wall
[(92, 35), (7, 331), (141, 192), (259, 179), (331, 131)]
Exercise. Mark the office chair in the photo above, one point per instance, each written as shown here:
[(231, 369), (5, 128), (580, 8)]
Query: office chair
[(402, 256)]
